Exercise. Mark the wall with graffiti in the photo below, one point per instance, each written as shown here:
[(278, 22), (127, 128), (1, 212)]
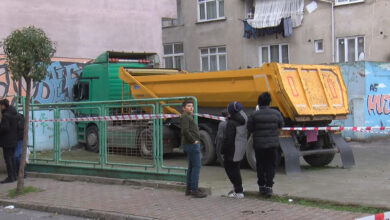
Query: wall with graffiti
[(368, 96), (377, 100), (55, 88)]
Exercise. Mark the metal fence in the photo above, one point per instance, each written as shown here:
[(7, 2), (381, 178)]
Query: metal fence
[(122, 139)]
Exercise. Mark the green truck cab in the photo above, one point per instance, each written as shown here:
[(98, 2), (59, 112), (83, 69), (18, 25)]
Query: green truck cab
[(99, 81)]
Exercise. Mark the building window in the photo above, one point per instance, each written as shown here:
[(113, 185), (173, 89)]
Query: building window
[(249, 9), (319, 46), (274, 53), (174, 56), (344, 2), (350, 49), (210, 10), (170, 22), (213, 59)]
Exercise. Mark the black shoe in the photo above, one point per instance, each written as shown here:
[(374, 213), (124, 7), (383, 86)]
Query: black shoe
[(188, 192), (7, 180), (198, 194), (262, 190), (268, 192)]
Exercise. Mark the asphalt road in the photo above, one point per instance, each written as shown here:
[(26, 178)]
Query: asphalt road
[(24, 214)]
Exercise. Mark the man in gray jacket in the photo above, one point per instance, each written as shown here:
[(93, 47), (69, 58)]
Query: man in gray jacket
[(264, 124), (233, 147)]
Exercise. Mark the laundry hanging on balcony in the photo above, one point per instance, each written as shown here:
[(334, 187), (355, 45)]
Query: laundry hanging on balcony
[(269, 13), (284, 28)]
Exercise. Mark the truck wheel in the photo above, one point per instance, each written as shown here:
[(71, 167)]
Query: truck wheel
[(319, 160), (145, 143), (251, 156), (206, 148), (92, 138)]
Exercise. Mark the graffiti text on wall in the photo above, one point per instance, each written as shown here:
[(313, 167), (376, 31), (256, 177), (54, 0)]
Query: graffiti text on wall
[(378, 104), (56, 87)]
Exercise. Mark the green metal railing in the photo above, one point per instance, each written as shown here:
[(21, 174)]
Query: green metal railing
[(119, 140)]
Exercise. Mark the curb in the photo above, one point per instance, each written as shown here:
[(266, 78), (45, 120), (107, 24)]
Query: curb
[(255, 194), (84, 213), (113, 181)]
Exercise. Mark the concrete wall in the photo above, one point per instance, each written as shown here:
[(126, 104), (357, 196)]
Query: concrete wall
[(57, 87), (368, 19), (89, 27), (368, 96)]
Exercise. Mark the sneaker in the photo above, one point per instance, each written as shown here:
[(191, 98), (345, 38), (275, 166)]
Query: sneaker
[(188, 192), (268, 192), (8, 180), (198, 194), (236, 195), (262, 190)]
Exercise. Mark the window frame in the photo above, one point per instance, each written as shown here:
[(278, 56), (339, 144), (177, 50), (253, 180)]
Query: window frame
[(280, 52), (356, 38), (316, 50), (209, 55), (337, 3), (173, 55), (218, 17)]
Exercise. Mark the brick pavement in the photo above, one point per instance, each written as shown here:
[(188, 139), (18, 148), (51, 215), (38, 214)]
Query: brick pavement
[(162, 203)]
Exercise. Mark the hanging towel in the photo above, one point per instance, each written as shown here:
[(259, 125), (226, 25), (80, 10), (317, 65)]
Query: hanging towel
[(249, 31), (287, 24)]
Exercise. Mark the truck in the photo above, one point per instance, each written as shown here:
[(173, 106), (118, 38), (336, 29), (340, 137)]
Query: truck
[(99, 81), (306, 96)]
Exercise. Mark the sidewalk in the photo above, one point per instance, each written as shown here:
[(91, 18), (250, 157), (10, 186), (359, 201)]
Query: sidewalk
[(114, 201)]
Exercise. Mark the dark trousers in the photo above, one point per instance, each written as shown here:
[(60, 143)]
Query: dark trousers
[(233, 172), (266, 165), (17, 156), (8, 153)]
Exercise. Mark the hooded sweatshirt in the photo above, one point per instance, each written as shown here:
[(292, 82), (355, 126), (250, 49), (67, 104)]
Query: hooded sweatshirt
[(235, 138)]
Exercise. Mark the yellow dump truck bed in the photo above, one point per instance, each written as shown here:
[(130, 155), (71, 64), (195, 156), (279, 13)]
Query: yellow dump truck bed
[(301, 92)]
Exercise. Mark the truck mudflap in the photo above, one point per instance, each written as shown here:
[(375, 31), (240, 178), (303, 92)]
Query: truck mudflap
[(291, 155), (344, 149)]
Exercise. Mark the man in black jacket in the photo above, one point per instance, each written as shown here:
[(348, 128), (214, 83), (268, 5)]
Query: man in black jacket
[(8, 138), (233, 147), (264, 124)]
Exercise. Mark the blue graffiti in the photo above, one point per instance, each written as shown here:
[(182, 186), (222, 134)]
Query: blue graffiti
[(57, 85)]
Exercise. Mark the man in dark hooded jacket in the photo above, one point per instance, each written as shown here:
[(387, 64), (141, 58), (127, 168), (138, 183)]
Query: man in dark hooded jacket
[(8, 138), (233, 147), (264, 124)]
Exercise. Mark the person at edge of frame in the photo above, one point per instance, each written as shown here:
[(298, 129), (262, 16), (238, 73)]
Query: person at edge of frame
[(8, 138)]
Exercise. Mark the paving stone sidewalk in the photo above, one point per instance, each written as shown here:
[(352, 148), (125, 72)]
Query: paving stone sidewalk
[(139, 202)]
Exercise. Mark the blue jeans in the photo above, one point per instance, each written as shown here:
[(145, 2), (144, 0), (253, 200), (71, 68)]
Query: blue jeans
[(193, 156), (18, 155)]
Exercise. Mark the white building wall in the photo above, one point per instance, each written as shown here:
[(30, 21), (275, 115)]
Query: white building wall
[(84, 29)]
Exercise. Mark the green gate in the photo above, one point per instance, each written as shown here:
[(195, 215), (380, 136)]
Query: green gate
[(118, 139)]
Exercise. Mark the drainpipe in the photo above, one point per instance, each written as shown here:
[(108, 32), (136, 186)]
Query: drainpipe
[(333, 41)]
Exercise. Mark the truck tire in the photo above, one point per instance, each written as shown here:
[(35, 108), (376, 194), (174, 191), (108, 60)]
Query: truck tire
[(251, 156), (319, 160), (92, 139), (145, 143), (207, 148)]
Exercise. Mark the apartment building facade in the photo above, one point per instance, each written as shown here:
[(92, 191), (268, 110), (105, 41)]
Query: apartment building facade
[(208, 35), (84, 29)]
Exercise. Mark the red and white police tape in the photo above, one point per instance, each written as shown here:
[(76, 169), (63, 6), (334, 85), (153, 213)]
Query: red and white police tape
[(381, 216), (369, 129)]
